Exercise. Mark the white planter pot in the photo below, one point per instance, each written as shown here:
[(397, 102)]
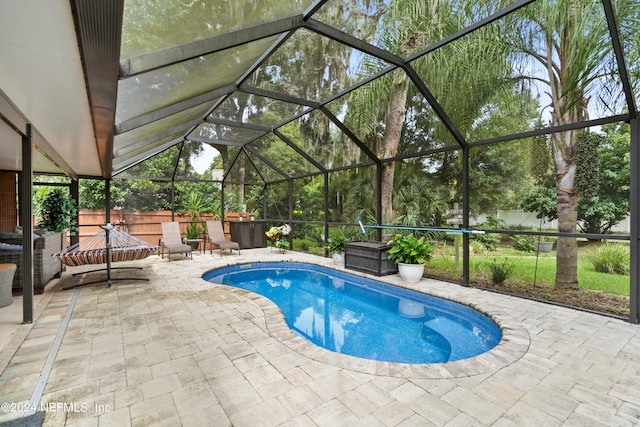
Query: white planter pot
[(411, 272), (338, 257), (544, 246)]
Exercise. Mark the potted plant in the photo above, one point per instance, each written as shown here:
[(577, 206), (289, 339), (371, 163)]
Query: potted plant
[(282, 245), (195, 230), (411, 254), (58, 211), (276, 236), (335, 245), (544, 244)]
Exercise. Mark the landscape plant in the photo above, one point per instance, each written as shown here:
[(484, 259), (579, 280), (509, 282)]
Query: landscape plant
[(611, 258), (336, 243), (501, 271), (195, 206), (58, 211), (524, 243), (533, 270), (570, 41), (408, 249)]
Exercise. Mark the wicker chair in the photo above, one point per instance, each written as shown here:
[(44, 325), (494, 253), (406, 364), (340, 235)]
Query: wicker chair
[(6, 279), (217, 238), (172, 241)]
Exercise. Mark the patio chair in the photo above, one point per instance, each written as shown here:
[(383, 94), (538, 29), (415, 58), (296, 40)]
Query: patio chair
[(217, 238), (172, 240)]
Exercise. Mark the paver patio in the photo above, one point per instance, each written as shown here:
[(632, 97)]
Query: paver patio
[(178, 350)]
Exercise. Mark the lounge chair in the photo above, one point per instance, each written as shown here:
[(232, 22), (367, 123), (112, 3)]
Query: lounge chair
[(217, 238), (172, 240)]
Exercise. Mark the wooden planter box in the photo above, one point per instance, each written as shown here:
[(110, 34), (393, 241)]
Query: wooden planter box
[(369, 257)]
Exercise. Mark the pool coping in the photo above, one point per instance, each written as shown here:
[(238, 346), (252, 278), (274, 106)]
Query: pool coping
[(513, 345)]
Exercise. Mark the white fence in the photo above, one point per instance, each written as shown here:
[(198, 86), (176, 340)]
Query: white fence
[(529, 220)]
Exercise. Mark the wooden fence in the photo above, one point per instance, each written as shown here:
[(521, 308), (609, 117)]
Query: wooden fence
[(144, 225)]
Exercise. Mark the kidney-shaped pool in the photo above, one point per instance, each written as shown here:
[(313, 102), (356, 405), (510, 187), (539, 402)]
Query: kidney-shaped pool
[(365, 318)]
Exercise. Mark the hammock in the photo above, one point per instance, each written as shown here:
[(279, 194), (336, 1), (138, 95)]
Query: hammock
[(109, 245), (123, 247)]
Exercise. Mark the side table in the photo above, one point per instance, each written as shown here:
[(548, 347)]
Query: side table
[(6, 281), (192, 243)]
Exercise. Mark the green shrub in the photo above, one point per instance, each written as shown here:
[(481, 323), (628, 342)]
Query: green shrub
[(489, 241), (304, 245), (501, 271), (525, 243), (58, 211), (336, 243), (407, 249), (477, 246), (612, 258)]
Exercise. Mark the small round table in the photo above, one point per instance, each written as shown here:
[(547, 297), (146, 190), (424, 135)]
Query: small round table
[(196, 244), (6, 283)]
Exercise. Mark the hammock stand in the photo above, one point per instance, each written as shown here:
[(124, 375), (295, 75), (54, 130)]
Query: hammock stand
[(109, 245)]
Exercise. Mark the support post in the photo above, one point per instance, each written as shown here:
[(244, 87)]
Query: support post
[(379, 199), (74, 189), (107, 201), (173, 197), (291, 211), (326, 209), (465, 215), (634, 274), (26, 220)]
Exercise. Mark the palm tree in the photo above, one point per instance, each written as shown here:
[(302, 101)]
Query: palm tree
[(379, 109), (367, 108), (569, 40)]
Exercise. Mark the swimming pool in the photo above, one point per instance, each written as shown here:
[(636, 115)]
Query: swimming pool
[(365, 318)]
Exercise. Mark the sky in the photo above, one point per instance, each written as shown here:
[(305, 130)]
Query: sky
[(203, 161)]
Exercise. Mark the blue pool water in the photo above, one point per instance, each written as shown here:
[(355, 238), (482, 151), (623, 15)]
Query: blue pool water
[(365, 318)]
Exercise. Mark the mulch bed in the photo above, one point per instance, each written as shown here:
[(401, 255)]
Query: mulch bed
[(602, 302), (617, 305)]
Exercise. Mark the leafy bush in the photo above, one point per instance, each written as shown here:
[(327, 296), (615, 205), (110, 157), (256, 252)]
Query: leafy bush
[(408, 249), (477, 246), (525, 243), (501, 271), (58, 211), (489, 241), (493, 223), (611, 258), (336, 243), (308, 245), (194, 231)]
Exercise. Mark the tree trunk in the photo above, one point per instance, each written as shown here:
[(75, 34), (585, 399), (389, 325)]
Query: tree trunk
[(396, 111), (241, 174), (567, 248), (567, 201), (224, 155)]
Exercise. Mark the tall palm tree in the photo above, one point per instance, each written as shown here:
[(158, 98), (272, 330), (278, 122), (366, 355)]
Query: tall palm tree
[(568, 42), (379, 110), (385, 99)]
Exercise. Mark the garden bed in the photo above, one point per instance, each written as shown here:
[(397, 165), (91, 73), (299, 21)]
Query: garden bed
[(599, 301), (603, 302)]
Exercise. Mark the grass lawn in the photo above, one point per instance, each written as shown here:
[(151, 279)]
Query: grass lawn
[(528, 269)]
